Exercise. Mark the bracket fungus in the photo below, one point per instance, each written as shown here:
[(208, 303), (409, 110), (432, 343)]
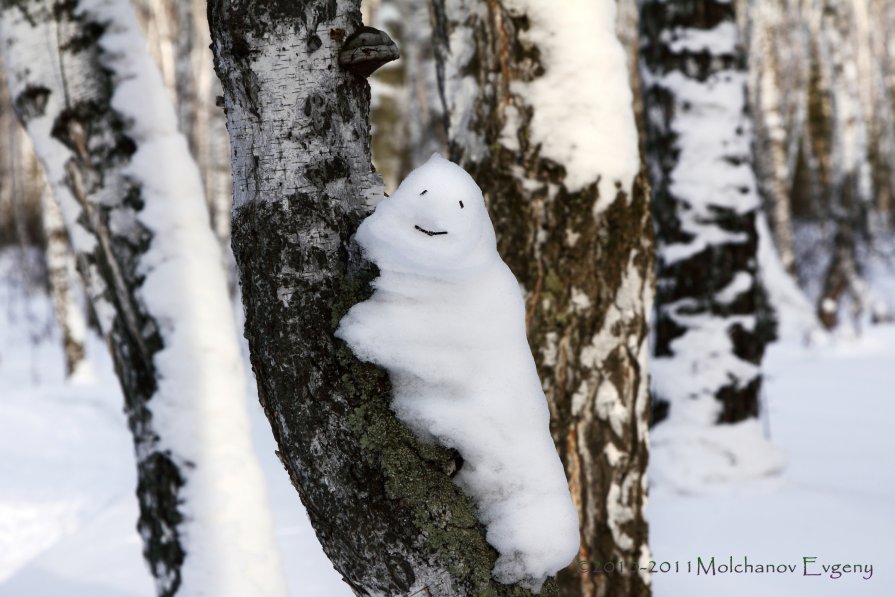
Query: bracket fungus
[(366, 50)]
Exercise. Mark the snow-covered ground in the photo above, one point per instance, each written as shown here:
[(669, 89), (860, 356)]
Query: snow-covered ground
[(67, 510), (830, 410)]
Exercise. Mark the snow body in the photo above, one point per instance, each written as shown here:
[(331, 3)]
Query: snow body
[(447, 321)]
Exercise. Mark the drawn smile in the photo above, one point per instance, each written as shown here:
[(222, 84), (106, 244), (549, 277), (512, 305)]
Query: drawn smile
[(429, 232)]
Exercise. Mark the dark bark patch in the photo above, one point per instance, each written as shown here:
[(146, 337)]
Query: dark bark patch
[(32, 102), (158, 489), (318, 112), (314, 43)]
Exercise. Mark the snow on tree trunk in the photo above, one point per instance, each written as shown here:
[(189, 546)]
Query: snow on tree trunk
[(383, 503), (711, 323), (60, 267), (95, 108), (540, 113), (178, 36)]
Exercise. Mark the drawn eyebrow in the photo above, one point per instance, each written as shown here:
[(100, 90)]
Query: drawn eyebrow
[(424, 192), (461, 205)]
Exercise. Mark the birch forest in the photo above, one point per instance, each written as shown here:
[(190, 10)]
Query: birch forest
[(446, 298)]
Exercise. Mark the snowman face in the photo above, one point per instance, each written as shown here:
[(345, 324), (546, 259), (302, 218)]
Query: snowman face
[(436, 219)]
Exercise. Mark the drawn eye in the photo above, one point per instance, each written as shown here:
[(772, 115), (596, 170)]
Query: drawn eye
[(424, 192), (461, 205)]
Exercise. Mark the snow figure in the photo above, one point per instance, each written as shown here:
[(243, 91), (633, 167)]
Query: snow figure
[(447, 321)]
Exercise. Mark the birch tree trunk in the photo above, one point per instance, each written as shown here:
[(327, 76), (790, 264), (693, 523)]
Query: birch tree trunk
[(95, 107), (382, 503), (711, 322), (850, 184), (576, 235), (406, 112), (776, 91), (60, 267), (883, 127)]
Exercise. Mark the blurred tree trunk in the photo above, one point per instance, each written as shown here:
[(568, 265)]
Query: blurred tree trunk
[(20, 199), (583, 258), (382, 503), (850, 176), (25, 200), (882, 73), (178, 37), (406, 108), (132, 202), (776, 86), (60, 267), (711, 322)]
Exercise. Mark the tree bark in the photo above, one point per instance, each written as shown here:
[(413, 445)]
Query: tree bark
[(583, 256), (712, 322), (132, 202), (382, 502), (775, 90), (60, 267), (850, 183), (20, 199)]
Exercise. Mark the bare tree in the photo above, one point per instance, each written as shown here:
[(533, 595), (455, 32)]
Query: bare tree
[(382, 503), (95, 107)]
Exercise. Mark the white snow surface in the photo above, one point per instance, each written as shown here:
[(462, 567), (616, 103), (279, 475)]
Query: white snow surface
[(447, 322), (829, 410), (583, 116)]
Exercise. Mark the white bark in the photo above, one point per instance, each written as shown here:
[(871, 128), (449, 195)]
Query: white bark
[(60, 267), (774, 86)]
